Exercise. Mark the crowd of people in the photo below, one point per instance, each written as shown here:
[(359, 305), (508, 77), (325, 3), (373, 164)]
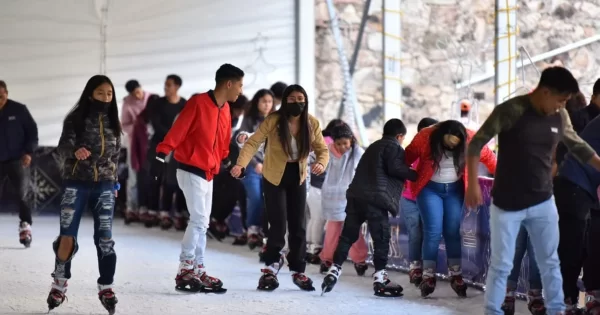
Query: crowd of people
[(305, 192)]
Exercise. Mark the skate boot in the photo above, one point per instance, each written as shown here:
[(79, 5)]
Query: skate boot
[(302, 281), (165, 220), (325, 266), (131, 216), (361, 268), (254, 241), (535, 302), (457, 283), (151, 219), (240, 240), (209, 284), (180, 222), (25, 237), (508, 306), (217, 230), (268, 281), (428, 283), (187, 280), (331, 279), (57, 294), (313, 258), (384, 287), (572, 309), (592, 306), (107, 298), (415, 274)]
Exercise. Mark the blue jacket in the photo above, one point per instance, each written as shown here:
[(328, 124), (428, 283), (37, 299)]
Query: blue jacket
[(18, 132), (582, 175)]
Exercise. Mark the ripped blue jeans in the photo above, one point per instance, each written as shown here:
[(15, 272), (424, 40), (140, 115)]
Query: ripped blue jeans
[(99, 197)]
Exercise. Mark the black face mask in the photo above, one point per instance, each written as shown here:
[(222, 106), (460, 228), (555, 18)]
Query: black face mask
[(295, 109), (99, 106)]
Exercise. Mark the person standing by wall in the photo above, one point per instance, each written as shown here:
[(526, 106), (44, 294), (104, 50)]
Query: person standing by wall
[(133, 104), (18, 140)]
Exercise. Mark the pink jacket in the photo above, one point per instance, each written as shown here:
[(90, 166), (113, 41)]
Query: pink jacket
[(132, 107), (406, 193)]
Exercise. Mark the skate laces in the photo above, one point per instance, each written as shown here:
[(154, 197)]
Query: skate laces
[(298, 276), (107, 293), (58, 295)]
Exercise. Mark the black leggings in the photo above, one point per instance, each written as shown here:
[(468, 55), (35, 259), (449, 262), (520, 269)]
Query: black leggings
[(170, 193), (285, 204)]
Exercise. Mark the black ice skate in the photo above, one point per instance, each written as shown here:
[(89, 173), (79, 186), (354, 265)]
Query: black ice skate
[(459, 286), (331, 279), (240, 240), (427, 286), (217, 230), (165, 220), (384, 287), (535, 302), (25, 237), (361, 268), (302, 281), (416, 276), (131, 216), (180, 223), (57, 294), (108, 299), (592, 306), (187, 280), (313, 258), (254, 241), (268, 281), (151, 219), (508, 306), (324, 268), (209, 284)]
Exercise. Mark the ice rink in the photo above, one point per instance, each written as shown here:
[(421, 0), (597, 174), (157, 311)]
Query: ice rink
[(146, 267)]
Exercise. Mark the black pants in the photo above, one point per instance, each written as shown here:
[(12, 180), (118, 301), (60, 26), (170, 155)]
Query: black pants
[(227, 191), (357, 212), (573, 204), (170, 193), (284, 205), (13, 180), (591, 270)]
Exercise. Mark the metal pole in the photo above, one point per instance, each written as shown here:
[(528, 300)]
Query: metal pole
[(361, 31), (352, 114), (392, 52), (506, 49)]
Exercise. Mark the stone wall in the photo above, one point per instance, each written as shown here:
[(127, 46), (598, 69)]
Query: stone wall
[(441, 37)]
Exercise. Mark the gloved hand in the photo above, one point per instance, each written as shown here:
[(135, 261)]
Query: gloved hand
[(158, 167)]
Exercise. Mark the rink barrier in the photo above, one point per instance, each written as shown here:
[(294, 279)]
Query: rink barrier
[(44, 195)]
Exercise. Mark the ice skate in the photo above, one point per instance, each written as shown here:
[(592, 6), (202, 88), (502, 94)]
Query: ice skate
[(254, 241), (108, 299), (180, 222), (240, 240), (151, 219), (324, 268), (131, 216), (508, 306), (535, 302), (456, 281), (187, 280), (302, 281), (415, 274), (384, 287), (361, 268), (592, 306), (209, 284), (57, 294), (217, 230), (268, 281), (427, 286), (165, 220), (331, 279), (25, 237), (572, 308), (313, 258)]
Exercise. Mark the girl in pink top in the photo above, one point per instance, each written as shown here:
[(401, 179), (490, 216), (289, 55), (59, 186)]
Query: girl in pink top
[(412, 220)]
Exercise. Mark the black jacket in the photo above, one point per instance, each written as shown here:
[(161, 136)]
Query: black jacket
[(18, 132), (161, 115), (380, 175), (98, 138), (579, 119)]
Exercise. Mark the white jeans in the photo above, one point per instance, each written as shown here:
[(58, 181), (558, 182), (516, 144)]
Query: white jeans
[(198, 195), (316, 224)]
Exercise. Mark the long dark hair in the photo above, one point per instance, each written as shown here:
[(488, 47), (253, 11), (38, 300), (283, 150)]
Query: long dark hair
[(333, 123), (343, 131), (285, 136), (81, 110), (253, 111), (439, 149)]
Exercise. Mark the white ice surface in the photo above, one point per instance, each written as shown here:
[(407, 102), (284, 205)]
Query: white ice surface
[(146, 267)]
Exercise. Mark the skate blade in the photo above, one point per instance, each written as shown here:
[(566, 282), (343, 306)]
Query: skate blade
[(215, 291), (389, 294), (267, 288), (187, 289)]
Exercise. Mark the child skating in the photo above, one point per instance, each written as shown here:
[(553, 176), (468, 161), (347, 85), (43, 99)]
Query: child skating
[(374, 192)]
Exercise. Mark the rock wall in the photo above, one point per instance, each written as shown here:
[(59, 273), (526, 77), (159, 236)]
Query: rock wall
[(447, 42)]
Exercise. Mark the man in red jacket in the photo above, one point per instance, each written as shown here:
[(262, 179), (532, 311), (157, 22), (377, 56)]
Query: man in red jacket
[(200, 138)]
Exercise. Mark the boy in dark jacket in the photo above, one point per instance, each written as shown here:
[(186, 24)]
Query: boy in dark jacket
[(374, 192)]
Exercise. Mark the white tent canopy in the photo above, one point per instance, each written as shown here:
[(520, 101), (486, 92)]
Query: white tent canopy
[(49, 49)]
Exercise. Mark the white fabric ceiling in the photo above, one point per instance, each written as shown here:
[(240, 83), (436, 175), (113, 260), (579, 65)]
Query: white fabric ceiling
[(49, 49)]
